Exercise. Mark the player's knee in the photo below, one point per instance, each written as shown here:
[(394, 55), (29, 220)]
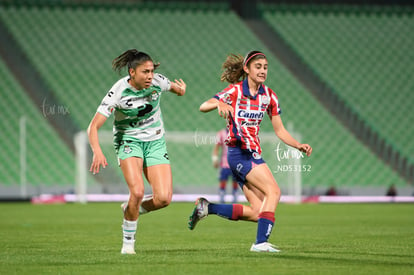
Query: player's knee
[(273, 192), (161, 201), (277, 193), (136, 195)]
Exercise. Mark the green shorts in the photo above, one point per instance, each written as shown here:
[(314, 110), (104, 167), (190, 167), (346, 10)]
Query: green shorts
[(152, 152)]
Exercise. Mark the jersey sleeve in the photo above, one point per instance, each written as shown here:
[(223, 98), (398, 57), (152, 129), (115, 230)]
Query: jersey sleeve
[(227, 95), (109, 102), (274, 106), (162, 82)]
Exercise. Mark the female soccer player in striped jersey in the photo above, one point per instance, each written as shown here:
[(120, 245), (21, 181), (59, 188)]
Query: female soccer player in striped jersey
[(244, 104), (138, 137)]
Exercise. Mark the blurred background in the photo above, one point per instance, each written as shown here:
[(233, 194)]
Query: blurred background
[(343, 72)]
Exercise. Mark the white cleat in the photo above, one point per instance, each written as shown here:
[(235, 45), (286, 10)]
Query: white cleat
[(128, 249), (264, 247), (142, 210), (124, 206)]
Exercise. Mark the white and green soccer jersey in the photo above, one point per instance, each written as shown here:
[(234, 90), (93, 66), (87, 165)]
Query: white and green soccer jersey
[(137, 112)]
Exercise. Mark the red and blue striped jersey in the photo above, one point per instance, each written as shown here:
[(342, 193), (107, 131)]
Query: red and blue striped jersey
[(249, 112)]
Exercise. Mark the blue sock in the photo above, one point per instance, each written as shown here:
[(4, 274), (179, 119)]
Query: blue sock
[(264, 226), (222, 210)]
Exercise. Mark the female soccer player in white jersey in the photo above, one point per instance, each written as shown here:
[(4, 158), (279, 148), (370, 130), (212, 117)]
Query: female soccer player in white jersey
[(138, 137), (244, 104)]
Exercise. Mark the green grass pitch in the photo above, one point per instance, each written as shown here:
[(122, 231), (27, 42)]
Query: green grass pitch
[(314, 239)]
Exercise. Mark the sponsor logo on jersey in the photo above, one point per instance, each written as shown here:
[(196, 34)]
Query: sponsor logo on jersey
[(250, 114), (142, 122), (130, 101), (249, 123)]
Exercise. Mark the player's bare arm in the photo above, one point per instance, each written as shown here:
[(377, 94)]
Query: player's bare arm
[(209, 105), (224, 109), (98, 157), (285, 136)]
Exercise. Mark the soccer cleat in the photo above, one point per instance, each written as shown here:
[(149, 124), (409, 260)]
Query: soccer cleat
[(141, 209), (200, 211), (128, 249), (264, 247), (124, 206)]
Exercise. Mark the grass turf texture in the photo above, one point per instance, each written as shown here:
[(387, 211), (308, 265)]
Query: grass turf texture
[(314, 238)]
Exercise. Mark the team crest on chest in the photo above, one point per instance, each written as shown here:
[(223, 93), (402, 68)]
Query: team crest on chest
[(265, 99), (154, 95)]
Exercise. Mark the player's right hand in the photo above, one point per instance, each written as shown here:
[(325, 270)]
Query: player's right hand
[(225, 110), (98, 161)]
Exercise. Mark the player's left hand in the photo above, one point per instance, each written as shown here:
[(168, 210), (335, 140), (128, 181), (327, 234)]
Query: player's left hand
[(306, 148), (180, 86)]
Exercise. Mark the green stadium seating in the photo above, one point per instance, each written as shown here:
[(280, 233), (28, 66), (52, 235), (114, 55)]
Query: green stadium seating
[(365, 55), (73, 49), (49, 161)]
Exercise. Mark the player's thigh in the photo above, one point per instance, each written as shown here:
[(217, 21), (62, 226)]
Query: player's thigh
[(132, 170), (261, 178), (160, 178)]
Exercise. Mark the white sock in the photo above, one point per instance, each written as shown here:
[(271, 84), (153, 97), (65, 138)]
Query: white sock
[(129, 228)]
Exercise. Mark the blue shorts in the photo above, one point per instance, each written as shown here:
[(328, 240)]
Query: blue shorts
[(225, 174), (241, 163)]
